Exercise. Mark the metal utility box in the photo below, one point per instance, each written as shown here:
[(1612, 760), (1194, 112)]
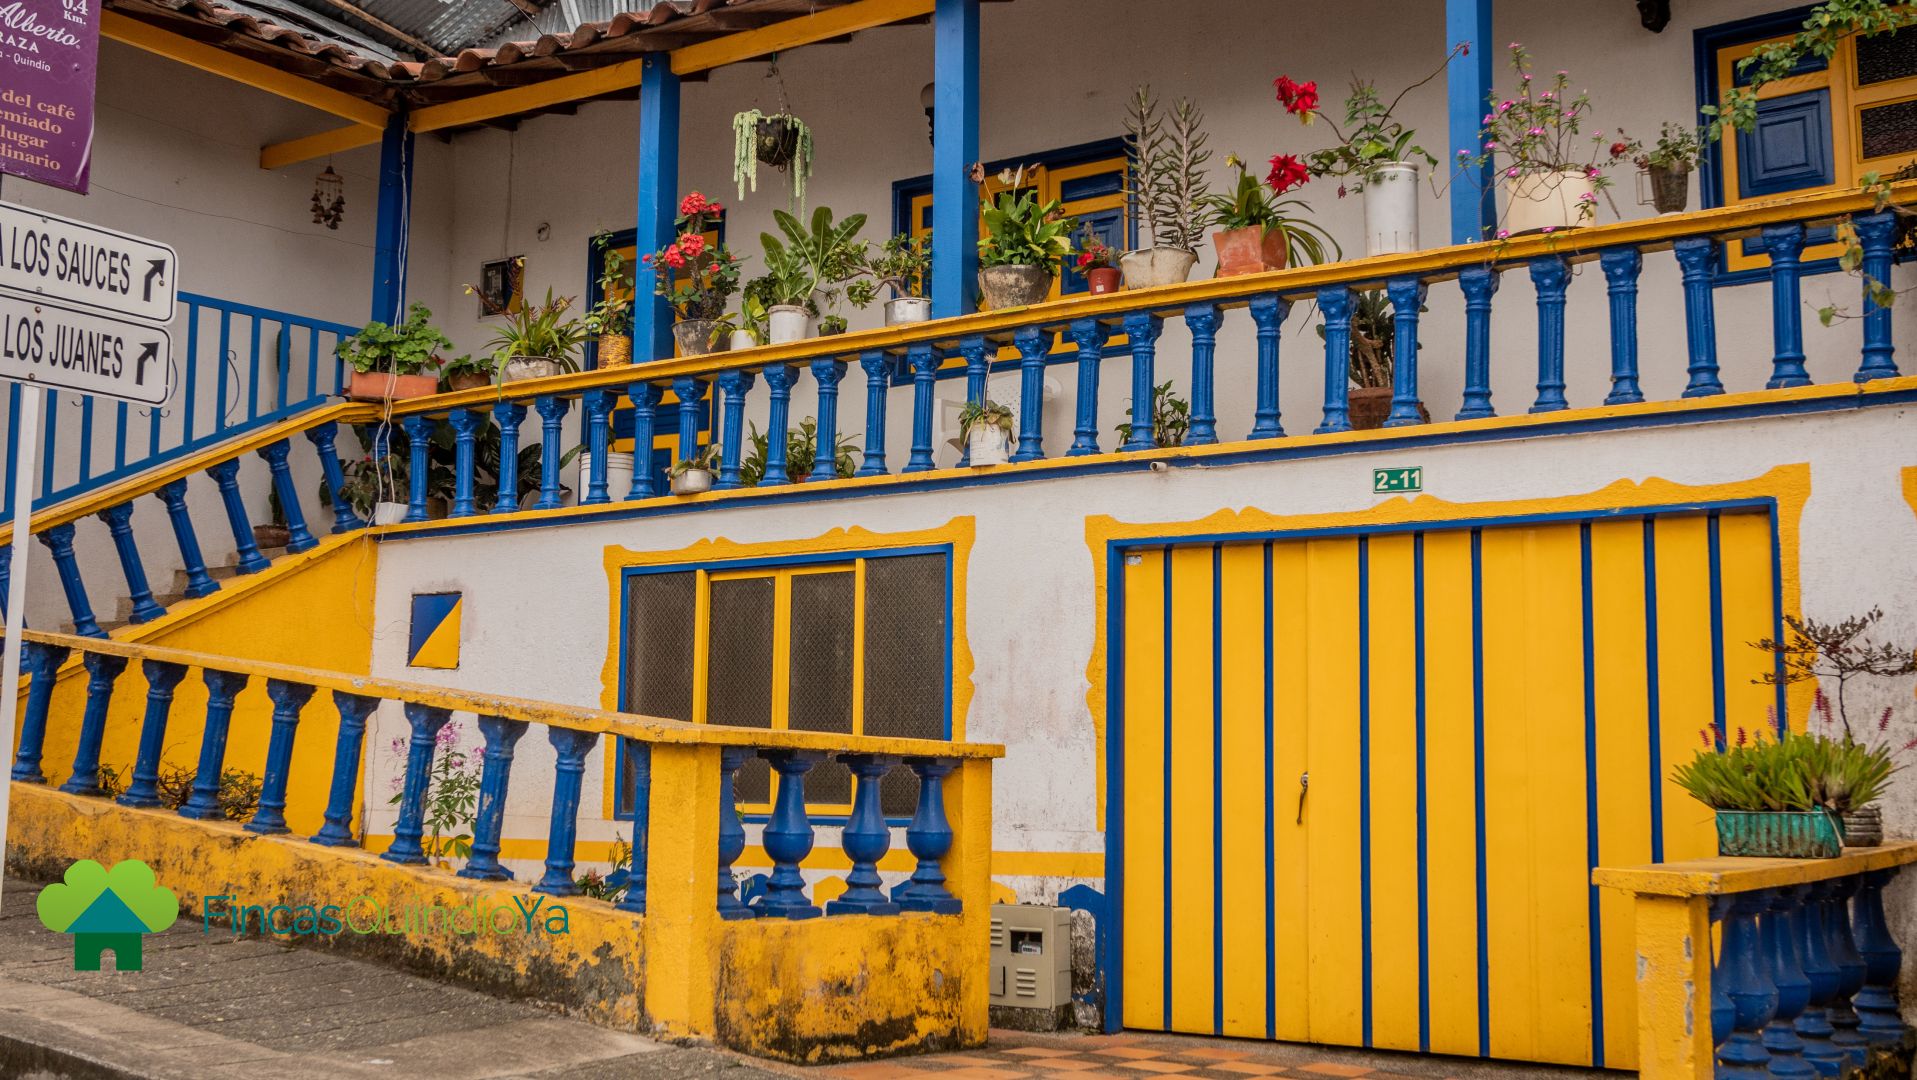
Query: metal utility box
[(1031, 956)]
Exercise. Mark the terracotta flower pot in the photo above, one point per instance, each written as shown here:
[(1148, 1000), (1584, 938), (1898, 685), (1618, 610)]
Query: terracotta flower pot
[(1370, 405), (471, 380), (1104, 279), (271, 536), (386, 386), (1250, 250)]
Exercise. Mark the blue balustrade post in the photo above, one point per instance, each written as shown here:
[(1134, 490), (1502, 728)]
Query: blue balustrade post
[(465, 424), (1268, 314), (1723, 1013), (598, 406), (1746, 974), (645, 415), (778, 384), (1090, 336), (955, 126), (226, 475), (788, 837), (419, 433), (1033, 345), (1479, 284), (337, 829), (42, 663), (1697, 258), (691, 394), (1622, 265), (658, 201), (568, 775), (102, 672), (878, 376), (865, 839), (161, 680), (203, 802), (1780, 935), (323, 437), (382, 443), (924, 361), (298, 537), (1876, 1002), (640, 754), (489, 818), (1202, 321), (552, 413), (59, 541), (1550, 275), (978, 365), (1407, 296), (929, 839), (1851, 971), (828, 371), (1813, 1024), (1784, 243), (732, 428), (508, 415), (119, 521), (1142, 328), (198, 582), (732, 835), (1335, 302), (410, 829), (288, 699), (1875, 234)]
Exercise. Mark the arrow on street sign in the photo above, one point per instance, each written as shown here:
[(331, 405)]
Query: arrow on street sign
[(52, 345), (46, 256)]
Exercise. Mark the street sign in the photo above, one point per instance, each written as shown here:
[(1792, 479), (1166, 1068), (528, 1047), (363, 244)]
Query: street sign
[(48, 344), (1397, 481), (44, 255)]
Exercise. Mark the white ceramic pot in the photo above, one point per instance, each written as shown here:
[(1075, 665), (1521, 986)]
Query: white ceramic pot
[(521, 368), (988, 444), (787, 322), (1149, 267), (618, 475), (1550, 200), (907, 309), (692, 482), (388, 513), (741, 339), (1391, 210)]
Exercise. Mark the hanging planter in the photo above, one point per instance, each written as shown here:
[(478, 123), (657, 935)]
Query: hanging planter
[(777, 140), (781, 141)]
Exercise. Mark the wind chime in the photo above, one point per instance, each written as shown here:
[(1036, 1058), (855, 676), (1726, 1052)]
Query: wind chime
[(329, 198)]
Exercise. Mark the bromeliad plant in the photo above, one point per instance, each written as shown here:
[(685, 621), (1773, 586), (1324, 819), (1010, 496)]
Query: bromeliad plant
[(1793, 774), (1248, 204), (540, 331), (1370, 137), (411, 348), (695, 277)]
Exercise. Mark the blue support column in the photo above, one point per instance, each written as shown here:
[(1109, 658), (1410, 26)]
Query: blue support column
[(828, 372), (1335, 302), (878, 373), (1745, 972), (1090, 336), (161, 680), (568, 778), (1143, 329), (1621, 269), (1851, 972), (465, 423), (391, 223), (410, 829), (1467, 88), (1785, 245), (59, 542), (645, 414), (954, 149), (42, 662), (1550, 275), (322, 437), (298, 537), (1202, 321), (337, 829), (865, 839), (924, 360), (489, 819), (732, 428), (508, 416), (1813, 1024), (203, 804), (598, 405), (1480, 284), (419, 431), (552, 413), (1407, 296), (778, 383), (198, 582), (119, 520), (1875, 232), (288, 699), (691, 394), (1033, 345), (658, 198), (978, 365), (1697, 258), (1268, 314), (103, 672)]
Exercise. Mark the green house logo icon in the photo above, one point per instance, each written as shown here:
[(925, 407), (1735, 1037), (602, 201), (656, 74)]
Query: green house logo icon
[(107, 911)]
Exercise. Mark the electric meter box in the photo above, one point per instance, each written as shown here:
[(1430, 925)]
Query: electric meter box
[(1031, 956)]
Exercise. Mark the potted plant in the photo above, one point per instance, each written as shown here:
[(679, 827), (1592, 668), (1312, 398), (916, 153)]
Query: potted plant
[(804, 263), (1171, 418), (610, 320), (801, 454), (1255, 231), (986, 427), (695, 277), (537, 341), (1534, 141), (780, 140), (1668, 165), (1373, 361), (747, 328), (466, 373), (393, 363), (274, 533), (1023, 241), (1097, 265), (1762, 791), (1165, 182), (902, 264), (690, 476)]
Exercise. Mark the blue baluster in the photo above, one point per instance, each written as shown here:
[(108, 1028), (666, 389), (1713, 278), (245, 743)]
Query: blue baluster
[(508, 415), (337, 830), (1033, 344), (382, 442), (1875, 234), (226, 475), (691, 394), (1746, 975), (59, 541), (568, 774), (778, 384), (1697, 258), (1550, 275), (1784, 243), (1480, 284), (1723, 1013), (865, 839), (1622, 265), (552, 413), (6, 564), (1202, 321), (419, 434), (732, 428), (119, 520), (1142, 328), (598, 406), (645, 415), (288, 699), (42, 663), (1268, 314), (1335, 302), (298, 537), (640, 754), (929, 839), (1851, 972), (732, 836), (1876, 1002), (978, 365), (489, 818), (788, 837), (102, 672), (1780, 934), (1407, 296), (1090, 336), (323, 437), (198, 582), (1813, 1024), (410, 829), (878, 374), (465, 424), (828, 372), (924, 362), (161, 679), (203, 802)]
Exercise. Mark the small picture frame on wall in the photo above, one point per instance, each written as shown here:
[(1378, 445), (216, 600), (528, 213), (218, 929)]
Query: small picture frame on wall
[(501, 288)]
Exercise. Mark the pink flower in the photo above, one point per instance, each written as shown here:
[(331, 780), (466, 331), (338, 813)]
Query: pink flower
[(1504, 234), (1549, 228), (1590, 170), (1512, 172)]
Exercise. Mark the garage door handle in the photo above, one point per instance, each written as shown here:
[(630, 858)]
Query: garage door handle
[(1304, 788)]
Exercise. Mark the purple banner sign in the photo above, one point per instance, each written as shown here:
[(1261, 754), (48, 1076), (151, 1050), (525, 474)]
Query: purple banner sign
[(49, 51)]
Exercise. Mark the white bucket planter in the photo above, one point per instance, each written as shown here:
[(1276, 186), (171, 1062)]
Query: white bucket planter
[(1550, 200), (388, 513), (1156, 266), (692, 482), (988, 444), (618, 475), (740, 340), (787, 322), (1391, 210), (907, 309)]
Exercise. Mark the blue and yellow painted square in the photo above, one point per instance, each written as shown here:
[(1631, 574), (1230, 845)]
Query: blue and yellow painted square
[(434, 641)]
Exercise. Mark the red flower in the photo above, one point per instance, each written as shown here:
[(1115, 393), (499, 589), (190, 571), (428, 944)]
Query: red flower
[(1084, 260), (1619, 149), (1287, 172), (1299, 99), (692, 244), (646, 258), (674, 257), (694, 203)]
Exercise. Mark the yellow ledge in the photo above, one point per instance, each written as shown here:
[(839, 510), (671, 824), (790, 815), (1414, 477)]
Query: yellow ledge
[(1724, 875)]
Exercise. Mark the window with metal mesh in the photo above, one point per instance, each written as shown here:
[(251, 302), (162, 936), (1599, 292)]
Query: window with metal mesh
[(1888, 129), (906, 635), (1883, 57), (660, 613), (739, 675)]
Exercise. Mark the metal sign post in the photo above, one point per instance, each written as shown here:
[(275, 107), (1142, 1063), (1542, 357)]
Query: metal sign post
[(28, 421)]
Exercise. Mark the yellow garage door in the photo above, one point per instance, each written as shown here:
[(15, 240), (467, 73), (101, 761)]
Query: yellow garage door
[(1363, 777)]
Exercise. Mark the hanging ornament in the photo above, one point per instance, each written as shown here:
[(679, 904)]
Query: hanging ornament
[(329, 199)]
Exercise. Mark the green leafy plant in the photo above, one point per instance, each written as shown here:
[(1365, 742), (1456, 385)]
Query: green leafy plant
[(466, 364), (706, 460), (410, 348), (452, 794), (1021, 231), (540, 331), (1760, 774), (902, 265), (1539, 130), (612, 315), (1167, 174), (1248, 204), (1677, 149), (1370, 138), (1095, 254), (809, 259), (1171, 418), (984, 413), (801, 453)]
